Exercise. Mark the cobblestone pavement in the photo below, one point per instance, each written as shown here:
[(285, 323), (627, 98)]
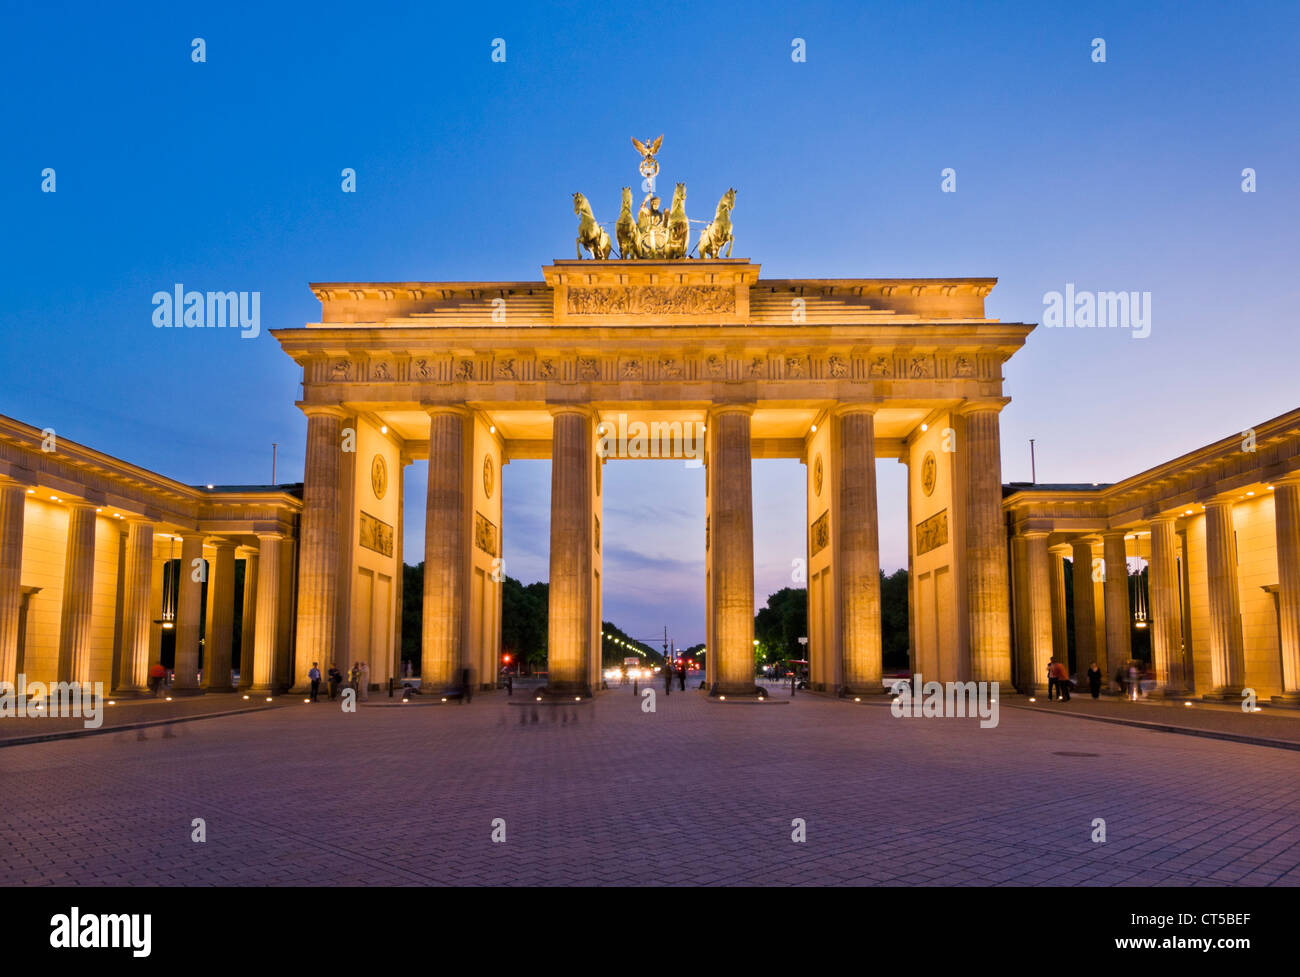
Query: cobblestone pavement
[(695, 793)]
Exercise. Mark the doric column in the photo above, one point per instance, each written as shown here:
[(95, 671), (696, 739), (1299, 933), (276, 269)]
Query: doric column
[(732, 544), (1085, 609), (1060, 620), (78, 593), (137, 621), (857, 531), (1119, 625), (1227, 653), (13, 500), (572, 527), (446, 552), (1286, 507), (987, 589), (220, 638), (1040, 609), (189, 609), (266, 626), (1166, 622), (318, 563), (248, 623)]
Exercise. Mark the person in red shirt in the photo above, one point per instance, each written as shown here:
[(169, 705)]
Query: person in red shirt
[(156, 675), (1062, 677)]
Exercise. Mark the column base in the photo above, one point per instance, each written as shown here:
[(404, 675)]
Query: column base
[(737, 692), (850, 691), (130, 694), (218, 690), (569, 691), (1227, 694), (177, 693), (1287, 700)]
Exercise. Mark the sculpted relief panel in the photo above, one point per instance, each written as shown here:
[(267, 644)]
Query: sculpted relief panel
[(651, 300)]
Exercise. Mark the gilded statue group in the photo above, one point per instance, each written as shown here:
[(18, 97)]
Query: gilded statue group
[(654, 233)]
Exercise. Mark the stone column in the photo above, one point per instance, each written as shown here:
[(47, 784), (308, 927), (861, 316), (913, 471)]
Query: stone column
[(1166, 622), (856, 526), (13, 500), (137, 619), (189, 609), (1085, 610), (266, 626), (248, 623), (732, 543), (78, 593), (572, 527), (221, 619), (988, 597), (318, 563), (1286, 508), (446, 553), (1040, 609), (1227, 653), (1119, 623), (1060, 621)]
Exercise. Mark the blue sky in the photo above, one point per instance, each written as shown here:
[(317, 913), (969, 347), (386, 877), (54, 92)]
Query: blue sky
[(225, 175)]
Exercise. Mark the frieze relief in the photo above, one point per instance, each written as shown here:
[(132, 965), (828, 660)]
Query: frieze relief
[(651, 300)]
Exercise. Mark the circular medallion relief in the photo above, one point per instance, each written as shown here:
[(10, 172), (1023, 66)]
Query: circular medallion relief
[(817, 475), (489, 476), (929, 472), (379, 476)]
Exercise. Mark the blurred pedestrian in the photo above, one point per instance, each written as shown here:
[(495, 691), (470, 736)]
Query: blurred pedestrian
[(156, 675), (681, 675), (314, 675), (668, 680), (1094, 680), (1051, 679), (335, 680), (365, 681), (1062, 681)]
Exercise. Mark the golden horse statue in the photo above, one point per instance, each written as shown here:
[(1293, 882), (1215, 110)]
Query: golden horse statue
[(679, 228), (591, 235), (626, 230), (718, 232)]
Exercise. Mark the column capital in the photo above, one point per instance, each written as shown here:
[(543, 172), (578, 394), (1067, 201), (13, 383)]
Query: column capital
[(585, 410), (1291, 478), (323, 410), (1034, 533), (220, 542), (717, 410), (841, 408), (270, 535), (435, 410), (1222, 500), (994, 404), (1111, 533)]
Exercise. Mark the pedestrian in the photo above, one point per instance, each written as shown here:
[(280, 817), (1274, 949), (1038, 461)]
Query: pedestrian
[(1094, 680), (335, 680), (1132, 680), (365, 681), (466, 684), (354, 677), (681, 675), (156, 675), (1062, 681), (1051, 679), (314, 675), (668, 679)]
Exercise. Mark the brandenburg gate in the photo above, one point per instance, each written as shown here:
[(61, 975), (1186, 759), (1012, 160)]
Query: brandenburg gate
[(471, 375)]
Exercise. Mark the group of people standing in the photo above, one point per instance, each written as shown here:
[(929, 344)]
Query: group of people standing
[(357, 679), (1059, 682)]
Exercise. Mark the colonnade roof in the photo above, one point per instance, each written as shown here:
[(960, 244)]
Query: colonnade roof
[(61, 471), (1235, 468)]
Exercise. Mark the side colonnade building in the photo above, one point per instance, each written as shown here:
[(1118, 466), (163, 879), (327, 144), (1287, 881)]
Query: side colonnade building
[(98, 558), (1219, 531)]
